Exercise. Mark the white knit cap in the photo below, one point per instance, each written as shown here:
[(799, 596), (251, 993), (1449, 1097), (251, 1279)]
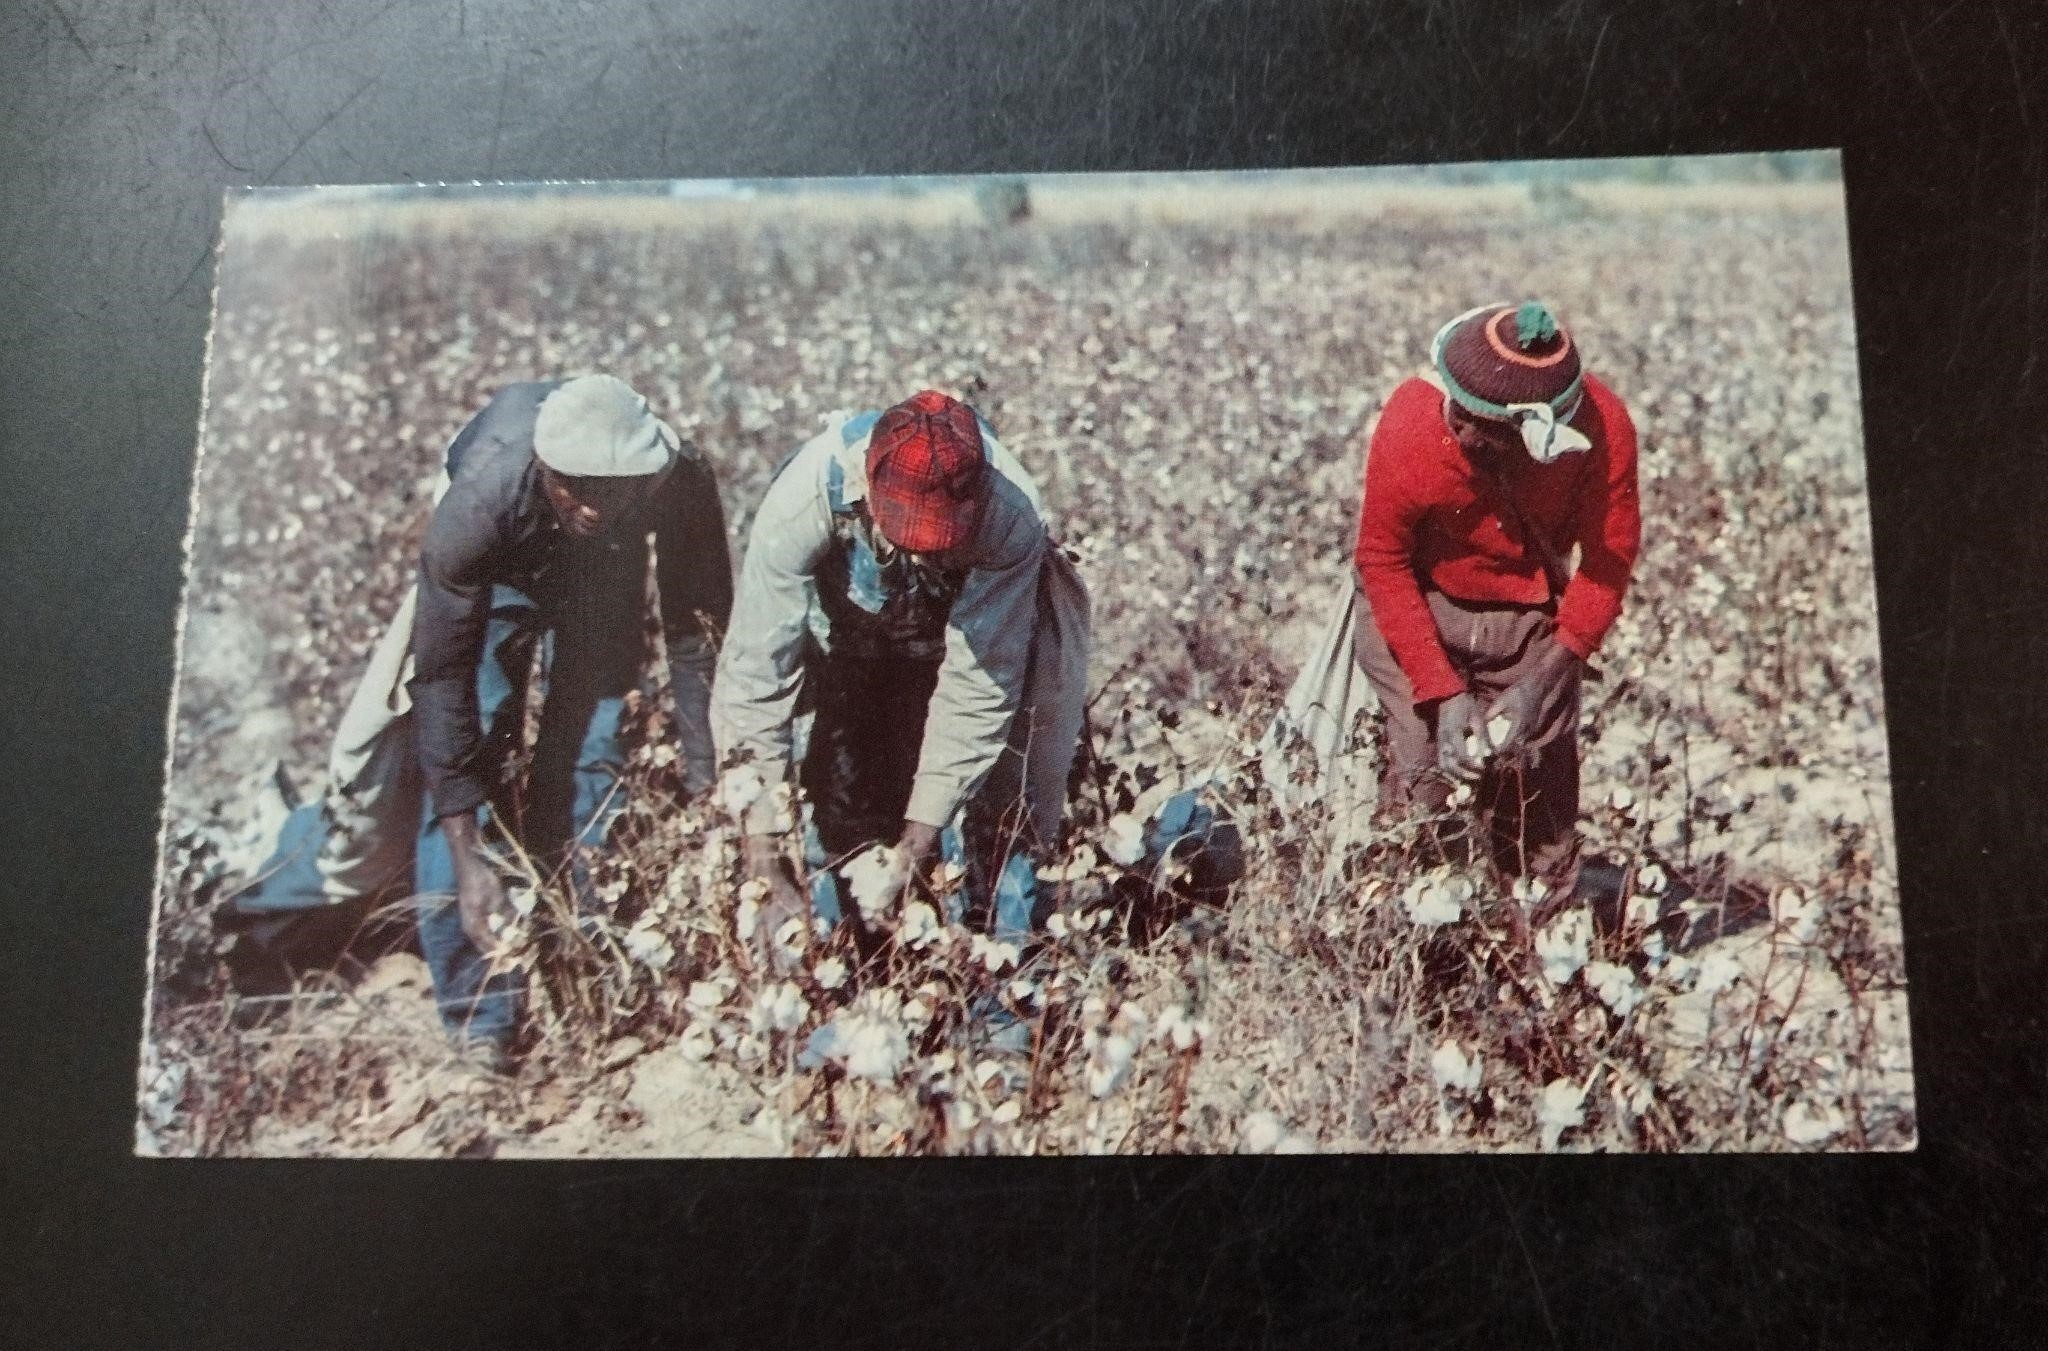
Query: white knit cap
[(596, 426)]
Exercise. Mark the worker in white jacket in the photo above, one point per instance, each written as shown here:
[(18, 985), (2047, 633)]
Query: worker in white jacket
[(893, 586)]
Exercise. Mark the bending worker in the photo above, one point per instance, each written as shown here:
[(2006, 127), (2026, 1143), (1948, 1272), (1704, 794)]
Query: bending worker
[(899, 584), (1476, 495), (538, 545)]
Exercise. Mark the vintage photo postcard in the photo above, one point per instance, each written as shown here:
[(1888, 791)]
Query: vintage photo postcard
[(1271, 662)]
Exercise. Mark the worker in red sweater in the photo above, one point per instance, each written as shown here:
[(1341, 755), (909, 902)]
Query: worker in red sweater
[(1477, 495)]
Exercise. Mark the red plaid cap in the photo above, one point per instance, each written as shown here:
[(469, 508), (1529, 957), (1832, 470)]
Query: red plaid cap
[(927, 473)]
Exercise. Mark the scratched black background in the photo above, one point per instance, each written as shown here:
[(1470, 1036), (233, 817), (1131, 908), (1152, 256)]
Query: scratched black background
[(123, 120)]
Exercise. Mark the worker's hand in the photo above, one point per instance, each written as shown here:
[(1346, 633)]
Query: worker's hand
[(785, 902), (919, 843), (478, 894), (479, 897), (1461, 743), (918, 846), (1528, 709)]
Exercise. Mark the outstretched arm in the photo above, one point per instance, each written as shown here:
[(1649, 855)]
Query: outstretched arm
[(693, 570)]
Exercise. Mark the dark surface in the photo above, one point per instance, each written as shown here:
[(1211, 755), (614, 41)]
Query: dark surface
[(122, 121)]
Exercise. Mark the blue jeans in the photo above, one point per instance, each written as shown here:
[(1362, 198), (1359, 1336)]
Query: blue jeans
[(1013, 897), (572, 791)]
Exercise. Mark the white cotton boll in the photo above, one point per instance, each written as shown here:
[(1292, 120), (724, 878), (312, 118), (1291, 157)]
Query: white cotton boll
[(705, 996), (949, 874), (962, 1116), (1717, 972), (830, 973), (1435, 900), (1561, 1108), (1643, 910), (1473, 748), (779, 1008), (875, 1050), (1007, 1113), (649, 946), (696, 1043), (1109, 1065), (746, 918), (1023, 992), (1056, 925), (1622, 798), (919, 926), (1615, 986), (1261, 1133), (1123, 839), (1454, 1069), (1564, 945), (1652, 879), (876, 876), (864, 1040), (754, 889), (1806, 1124), (523, 900), (994, 956), (1177, 1030), (791, 937), (1498, 726), (782, 802), (1461, 795)]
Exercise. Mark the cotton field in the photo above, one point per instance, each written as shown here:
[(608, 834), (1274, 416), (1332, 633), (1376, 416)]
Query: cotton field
[(1192, 392)]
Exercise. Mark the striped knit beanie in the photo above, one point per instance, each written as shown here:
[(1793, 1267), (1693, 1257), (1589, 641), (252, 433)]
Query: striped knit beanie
[(1499, 356), (927, 473)]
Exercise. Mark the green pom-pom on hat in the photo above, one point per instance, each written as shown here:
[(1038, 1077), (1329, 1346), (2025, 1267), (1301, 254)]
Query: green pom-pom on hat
[(1533, 325)]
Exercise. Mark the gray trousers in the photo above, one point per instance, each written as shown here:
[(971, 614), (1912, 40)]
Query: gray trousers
[(1529, 810)]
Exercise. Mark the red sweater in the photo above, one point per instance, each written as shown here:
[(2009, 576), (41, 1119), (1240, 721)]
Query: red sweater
[(1429, 515)]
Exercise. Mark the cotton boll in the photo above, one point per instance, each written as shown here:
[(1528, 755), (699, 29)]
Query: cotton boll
[(1564, 945), (1559, 1109), (1615, 986), (696, 1043), (1718, 971), (1454, 1069), (1434, 900), (830, 973), (1123, 840), (919, 926), (1109, 1064), (778, 1008), (876, 877), (1261, 1133)]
